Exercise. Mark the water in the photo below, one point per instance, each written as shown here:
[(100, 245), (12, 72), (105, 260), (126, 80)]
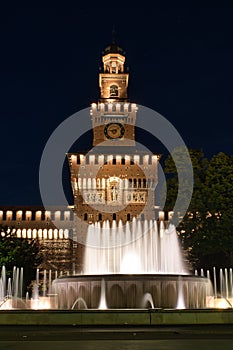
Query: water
[(139, 247), (147, 299), (79, 301), (180, 300), (215, 282), (103, 302), (132, 256), (10, 297), (125, 263)]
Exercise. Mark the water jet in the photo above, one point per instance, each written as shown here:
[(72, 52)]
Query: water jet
[(160, 271)]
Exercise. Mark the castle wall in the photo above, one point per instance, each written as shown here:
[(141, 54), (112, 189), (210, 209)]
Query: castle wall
[(56, 244)]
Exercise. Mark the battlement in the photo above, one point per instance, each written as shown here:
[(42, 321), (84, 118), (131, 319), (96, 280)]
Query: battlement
[(19, 215), (37, 222), (114, 107), (116, 159)]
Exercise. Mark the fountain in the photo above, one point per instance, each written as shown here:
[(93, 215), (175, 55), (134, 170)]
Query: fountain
[(131, 266), (122, 265), (148, 288), (129, 262)]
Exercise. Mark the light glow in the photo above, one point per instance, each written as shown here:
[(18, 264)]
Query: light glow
[(130, 264), (223, 303)]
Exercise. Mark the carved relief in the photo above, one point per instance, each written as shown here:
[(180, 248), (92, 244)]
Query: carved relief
[(94, 197), (138, 197)]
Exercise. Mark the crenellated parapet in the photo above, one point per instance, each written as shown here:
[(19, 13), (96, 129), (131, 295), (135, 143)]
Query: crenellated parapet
[(113, 159), (36, 222), (113, 107)]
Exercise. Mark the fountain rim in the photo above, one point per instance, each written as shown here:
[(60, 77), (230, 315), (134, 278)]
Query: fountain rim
[(123, 277)]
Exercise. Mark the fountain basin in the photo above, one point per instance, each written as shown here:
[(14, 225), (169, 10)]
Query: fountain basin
[(124, 291)]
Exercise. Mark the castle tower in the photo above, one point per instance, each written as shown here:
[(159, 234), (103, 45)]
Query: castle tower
[(113, 117), (113, 181)]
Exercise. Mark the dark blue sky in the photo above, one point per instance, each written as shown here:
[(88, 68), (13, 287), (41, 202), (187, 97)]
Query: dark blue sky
[(180, 60)]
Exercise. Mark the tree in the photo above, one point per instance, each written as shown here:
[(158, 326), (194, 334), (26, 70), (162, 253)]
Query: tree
[(219, 192), (19, 252), (199, 164), (206, 229)]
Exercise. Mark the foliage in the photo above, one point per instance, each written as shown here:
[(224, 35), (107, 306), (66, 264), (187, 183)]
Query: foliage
[(206, 231), (19, 252)]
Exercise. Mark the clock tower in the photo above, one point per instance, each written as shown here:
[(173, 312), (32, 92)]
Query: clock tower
[(113, 117), (114, 181)]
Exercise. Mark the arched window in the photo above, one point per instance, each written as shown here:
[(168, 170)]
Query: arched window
[(128, 217), (114, 216), (100, 217), (85, 217), (113, 91)]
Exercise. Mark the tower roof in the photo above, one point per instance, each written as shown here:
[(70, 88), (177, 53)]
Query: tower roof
[(113, 48)]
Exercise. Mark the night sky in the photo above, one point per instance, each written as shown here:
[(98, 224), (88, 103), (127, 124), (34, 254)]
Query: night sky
[(180, 63)]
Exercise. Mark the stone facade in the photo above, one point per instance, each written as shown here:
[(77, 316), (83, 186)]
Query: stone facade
[(38, 223)]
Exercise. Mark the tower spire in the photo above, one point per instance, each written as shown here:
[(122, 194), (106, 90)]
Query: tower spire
[(113, 34)]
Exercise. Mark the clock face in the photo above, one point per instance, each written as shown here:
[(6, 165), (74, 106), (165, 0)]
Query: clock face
[(114, 131)]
